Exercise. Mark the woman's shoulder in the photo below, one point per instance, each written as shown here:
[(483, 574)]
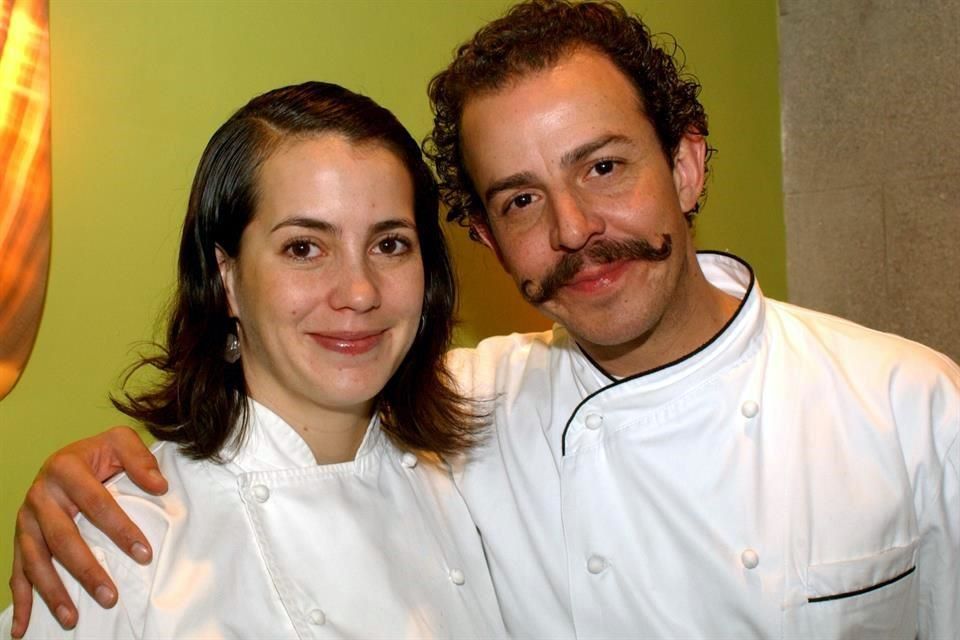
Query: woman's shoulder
[(180, 472), (190, 482)]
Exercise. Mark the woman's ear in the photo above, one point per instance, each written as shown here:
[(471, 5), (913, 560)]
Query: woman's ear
[(228, 267)]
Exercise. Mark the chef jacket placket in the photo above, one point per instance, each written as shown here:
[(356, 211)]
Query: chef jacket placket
[(628, 504), (620, 569), (306, 616), (437, 589)]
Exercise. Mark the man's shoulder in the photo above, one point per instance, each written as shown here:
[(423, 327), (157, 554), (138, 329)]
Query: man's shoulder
[(495, 360), (894, 385), (813, 331), (841, 333), (498, 348)]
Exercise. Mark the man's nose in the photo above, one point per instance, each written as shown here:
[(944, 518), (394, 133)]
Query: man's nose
[(573, 223)]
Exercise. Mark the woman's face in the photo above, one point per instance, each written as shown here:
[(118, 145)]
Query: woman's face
[(328, 281)]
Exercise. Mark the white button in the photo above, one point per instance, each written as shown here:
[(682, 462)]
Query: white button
[(317, 617), (596, 564), (261, 493), (457, 577), (750, 409), (593, 421), (750, 559), (408, 460)]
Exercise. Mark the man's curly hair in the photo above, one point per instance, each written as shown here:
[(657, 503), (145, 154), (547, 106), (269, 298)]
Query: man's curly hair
[(533, 36)]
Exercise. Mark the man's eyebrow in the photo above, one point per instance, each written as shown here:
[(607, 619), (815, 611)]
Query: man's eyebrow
[(576, 155), (308, 223), (569, 158), (510, 182)]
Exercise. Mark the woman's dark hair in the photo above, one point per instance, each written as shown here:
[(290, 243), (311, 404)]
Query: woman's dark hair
[(201, 401), (533, 36)]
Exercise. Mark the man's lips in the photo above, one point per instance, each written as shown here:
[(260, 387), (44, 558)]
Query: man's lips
[(349, 342), (597, 276)]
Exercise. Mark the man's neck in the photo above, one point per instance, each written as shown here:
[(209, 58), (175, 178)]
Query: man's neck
[(700, 313)]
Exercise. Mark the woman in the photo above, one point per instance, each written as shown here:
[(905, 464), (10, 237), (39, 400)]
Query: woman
[(303, 400)]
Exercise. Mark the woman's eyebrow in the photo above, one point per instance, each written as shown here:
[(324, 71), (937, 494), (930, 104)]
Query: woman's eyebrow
[(393, 223), (329, 227), (307, 222)]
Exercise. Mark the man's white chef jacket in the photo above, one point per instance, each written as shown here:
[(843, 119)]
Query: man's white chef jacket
[(271, 545), (795, 477)]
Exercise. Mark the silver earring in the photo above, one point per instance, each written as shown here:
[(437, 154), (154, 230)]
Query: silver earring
[(232, 353), (423, 323)]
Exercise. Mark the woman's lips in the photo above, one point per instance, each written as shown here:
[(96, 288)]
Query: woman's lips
[(349, 342)]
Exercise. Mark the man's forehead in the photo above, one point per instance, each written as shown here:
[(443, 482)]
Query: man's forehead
[(578, 89)]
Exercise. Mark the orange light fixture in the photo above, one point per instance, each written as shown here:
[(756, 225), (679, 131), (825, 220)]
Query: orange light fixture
[(24, 180)]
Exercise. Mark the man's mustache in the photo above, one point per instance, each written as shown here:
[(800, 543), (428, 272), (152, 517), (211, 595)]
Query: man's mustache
[(600, 252)]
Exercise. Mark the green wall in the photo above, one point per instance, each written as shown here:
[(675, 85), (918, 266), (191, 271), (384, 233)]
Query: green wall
[(138, 88)]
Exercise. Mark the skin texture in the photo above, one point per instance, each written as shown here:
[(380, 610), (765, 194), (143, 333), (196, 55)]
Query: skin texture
[(328, 289), (565, 159), (566, 162)]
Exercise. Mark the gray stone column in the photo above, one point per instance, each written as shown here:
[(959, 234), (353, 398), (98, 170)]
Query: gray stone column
[(870, 95)]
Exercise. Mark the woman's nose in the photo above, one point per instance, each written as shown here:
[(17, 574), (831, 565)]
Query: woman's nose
[(356, 289)]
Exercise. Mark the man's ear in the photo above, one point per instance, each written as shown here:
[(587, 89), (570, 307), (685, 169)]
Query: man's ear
[(688, 169), (228, 267), (481, 230)]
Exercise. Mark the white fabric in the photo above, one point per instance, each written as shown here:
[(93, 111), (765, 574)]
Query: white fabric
[(271, 545), (796, 456)]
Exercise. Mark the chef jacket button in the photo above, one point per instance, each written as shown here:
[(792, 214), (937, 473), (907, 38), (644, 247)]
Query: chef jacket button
[(408, 460), (596, 564), (593, 421), (261, 493), (750, 559), (457, 577), (318, 617), (749, 409)]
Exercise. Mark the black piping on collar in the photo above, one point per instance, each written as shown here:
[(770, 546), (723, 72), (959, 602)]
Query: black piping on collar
[(615, 382)]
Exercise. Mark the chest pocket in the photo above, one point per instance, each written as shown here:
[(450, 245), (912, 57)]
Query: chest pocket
[(870, 597)]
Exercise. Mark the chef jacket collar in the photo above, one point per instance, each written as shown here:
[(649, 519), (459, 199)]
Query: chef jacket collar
[(273, 445), (735, 341)]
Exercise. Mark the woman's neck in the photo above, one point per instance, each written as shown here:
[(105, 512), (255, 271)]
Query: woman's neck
[(333, 435), (332, 438)]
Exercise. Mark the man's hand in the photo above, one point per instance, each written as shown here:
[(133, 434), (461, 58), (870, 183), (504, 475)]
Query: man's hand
[(69, 482)]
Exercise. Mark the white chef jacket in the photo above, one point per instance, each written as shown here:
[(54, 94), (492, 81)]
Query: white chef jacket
[(795, 477), (271, 545)]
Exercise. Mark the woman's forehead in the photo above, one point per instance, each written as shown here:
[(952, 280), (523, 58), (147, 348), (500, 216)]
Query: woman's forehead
[(335, 179)]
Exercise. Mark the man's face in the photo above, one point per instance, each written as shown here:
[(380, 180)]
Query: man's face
[(584, 209)]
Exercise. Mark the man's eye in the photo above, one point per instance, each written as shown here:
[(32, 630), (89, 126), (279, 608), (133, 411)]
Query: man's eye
[(604, 167), (521, 200)]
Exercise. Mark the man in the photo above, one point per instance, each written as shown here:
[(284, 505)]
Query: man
[(679, 457)]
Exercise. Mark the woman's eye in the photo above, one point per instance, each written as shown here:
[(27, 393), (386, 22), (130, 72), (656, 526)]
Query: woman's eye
[(302, 249), (392, 245)]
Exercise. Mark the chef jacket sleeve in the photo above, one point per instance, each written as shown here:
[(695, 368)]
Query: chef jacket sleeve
[(938, 561)]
